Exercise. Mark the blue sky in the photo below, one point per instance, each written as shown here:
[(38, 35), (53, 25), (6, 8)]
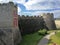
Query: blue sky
[(36, 7)]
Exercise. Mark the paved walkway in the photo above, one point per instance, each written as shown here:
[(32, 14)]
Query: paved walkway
[(45, 40)]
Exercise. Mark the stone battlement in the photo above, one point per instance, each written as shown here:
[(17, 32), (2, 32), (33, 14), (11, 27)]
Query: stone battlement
[(29, 17), (9, 3)]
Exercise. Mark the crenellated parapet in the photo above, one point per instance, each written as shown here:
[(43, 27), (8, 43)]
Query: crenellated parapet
[(9, 3), (29, 17)]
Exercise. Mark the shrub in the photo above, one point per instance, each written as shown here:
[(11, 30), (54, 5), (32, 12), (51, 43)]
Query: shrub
[(42, 32)]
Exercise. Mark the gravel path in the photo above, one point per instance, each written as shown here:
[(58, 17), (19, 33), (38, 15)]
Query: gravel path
[(45, 39)]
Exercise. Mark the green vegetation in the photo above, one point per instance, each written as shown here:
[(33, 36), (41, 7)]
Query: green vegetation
[(42, 32), (50, 31), (55, 39), (31, 39), (58, 34)]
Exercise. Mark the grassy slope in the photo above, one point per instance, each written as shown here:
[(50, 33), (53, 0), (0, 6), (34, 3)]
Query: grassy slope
[(31, 39), (55, 39)]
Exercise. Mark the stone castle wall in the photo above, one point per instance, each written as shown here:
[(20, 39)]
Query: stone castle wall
[(6, 17), (9, 29), (28, 24), (49, 21)]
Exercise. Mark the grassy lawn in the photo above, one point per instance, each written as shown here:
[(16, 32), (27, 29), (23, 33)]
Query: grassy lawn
[(31, 39), (55, 39), (50, 31)]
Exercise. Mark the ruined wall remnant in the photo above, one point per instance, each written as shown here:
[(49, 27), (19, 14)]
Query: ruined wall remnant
[(9, 31), (49, 21)]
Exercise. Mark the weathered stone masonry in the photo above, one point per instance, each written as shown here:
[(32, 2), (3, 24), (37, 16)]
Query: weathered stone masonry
[(9, 31), (49, 21), (30, 24)]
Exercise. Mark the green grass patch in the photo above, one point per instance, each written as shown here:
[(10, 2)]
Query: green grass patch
[(55, 39), (42, 32), (58, 34), (50, 31), (31, 39)]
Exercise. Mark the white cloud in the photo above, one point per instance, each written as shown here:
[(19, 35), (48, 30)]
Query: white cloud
[(4, 1), (19, 9), (47, 4), (31, 2), (37, 5), (19, 1), (15, 1), (56, 13)]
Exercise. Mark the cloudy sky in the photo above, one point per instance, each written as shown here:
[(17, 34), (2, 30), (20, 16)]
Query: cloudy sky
[(36, 7)]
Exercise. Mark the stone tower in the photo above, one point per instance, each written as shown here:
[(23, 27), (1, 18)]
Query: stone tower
[(49, 21), (9, 31)]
